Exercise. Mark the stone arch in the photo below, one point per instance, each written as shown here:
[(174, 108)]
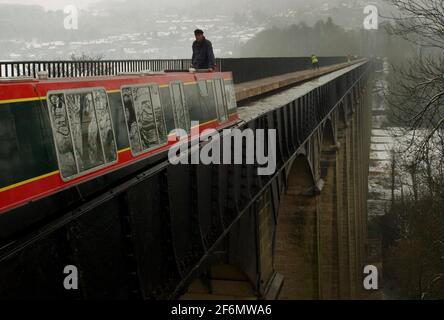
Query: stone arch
[(295, 253), (327, 148), (304, 181), (328, 135), (342, 113)]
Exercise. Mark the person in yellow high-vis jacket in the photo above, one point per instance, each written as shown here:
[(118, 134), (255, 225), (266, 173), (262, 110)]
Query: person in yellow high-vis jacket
[(315, 62)]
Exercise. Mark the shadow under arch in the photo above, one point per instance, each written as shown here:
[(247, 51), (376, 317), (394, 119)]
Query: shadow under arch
[(328, 150), (328, 135), (300, 176), (295, 253)]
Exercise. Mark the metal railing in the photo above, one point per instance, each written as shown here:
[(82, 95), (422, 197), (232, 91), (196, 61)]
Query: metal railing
[(66, 68), (244, 69)]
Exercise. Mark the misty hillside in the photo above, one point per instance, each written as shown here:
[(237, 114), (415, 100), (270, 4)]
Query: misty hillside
[(119, 29)]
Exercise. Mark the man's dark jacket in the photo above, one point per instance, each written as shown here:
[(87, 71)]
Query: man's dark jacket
[(203, 56)]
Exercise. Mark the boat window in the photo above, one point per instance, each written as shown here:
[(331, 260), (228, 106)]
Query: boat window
[(144, 117), (83, 131), (203, 88), (180, 110)]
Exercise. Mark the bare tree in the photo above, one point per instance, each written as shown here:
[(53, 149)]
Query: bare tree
[(417, 95), (420, 21), (88, 65)]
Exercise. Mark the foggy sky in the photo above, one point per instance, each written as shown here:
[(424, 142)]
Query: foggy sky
[(60, 4), (135, 28), (51, 4)]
